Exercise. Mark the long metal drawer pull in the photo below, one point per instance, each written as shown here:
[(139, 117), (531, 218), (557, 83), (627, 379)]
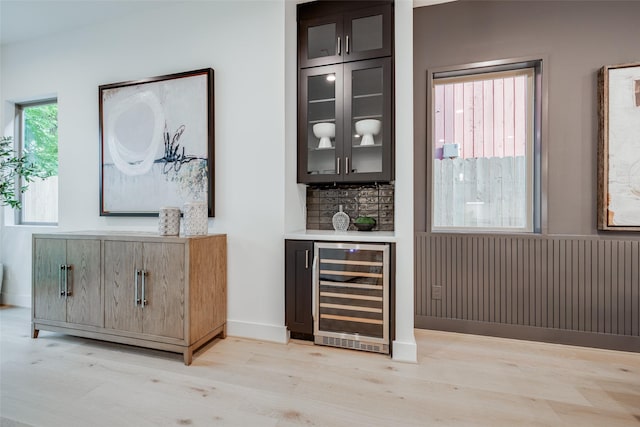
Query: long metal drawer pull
[(136, 300), (347, 47), (67, 268), (60, 269), (346, 159), (338, 167), (339, 46), (306, 259), (144, 301)]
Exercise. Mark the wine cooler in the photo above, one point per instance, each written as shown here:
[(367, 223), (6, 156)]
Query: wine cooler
[(351, 296)]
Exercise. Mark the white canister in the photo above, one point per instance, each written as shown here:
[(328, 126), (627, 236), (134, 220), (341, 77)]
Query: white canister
[(169, 221), (196, 221)]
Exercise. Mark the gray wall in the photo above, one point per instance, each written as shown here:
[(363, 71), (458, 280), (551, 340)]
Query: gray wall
[(574, 39)]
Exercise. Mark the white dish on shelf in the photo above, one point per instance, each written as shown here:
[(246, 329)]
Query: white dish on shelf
[(368, 128), (324, 131)]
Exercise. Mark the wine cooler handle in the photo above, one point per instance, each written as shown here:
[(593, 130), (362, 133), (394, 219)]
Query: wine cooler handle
[(315, 286)]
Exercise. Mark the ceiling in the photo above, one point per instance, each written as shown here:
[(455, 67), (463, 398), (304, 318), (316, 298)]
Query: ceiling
[(22, 20)]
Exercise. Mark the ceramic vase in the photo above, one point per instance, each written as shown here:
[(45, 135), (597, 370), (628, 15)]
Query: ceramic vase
[(169, 221), (195, 219)]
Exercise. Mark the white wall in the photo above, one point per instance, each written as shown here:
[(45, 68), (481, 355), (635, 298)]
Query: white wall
[(244, 43), (251, 45)]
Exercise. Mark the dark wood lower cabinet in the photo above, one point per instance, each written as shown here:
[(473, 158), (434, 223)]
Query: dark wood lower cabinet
[(298, 288)]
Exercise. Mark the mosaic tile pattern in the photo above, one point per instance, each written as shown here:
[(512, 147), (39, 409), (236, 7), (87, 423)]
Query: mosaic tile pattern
[(375, 201)]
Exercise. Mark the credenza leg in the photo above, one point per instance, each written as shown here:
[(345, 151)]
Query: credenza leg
[(188, 356)]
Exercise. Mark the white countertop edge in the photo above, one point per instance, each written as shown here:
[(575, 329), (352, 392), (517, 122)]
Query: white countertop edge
[(342, 236)]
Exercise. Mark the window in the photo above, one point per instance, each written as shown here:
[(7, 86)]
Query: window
[(38, 141), (485, 152)]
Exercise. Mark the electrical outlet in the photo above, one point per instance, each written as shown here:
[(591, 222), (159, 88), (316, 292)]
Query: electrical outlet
[(436, 292)]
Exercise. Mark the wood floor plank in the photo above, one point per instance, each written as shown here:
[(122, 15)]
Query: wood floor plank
[(57, 380)]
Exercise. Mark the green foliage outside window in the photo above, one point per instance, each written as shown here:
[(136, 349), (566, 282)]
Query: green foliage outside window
[(41, 138)]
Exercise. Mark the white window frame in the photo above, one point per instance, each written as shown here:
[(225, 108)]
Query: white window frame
[(488, 70)]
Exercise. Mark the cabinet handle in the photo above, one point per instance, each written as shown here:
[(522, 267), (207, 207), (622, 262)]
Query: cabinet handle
[(136, 300), (314, 288), (144, 301), (306, 259), (338, 167), (346, 165), (347, 47), (67, 268), (60, 291), (339, 47)]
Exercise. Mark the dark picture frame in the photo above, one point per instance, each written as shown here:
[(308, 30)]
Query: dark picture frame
[(618, 148), (157, 140)]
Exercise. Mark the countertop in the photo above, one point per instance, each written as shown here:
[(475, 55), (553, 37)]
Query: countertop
[(342, 236)]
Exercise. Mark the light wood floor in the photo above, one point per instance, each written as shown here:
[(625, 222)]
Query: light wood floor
[(57, 380)]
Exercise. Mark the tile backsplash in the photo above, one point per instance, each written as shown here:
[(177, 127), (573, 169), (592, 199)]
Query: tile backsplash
[(375, 200)]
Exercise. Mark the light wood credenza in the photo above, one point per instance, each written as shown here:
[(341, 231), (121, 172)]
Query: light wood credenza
[(165, 293)]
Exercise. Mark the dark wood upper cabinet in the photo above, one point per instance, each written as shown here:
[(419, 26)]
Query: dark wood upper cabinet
[(348, 31), (345, 125), (345, 92)]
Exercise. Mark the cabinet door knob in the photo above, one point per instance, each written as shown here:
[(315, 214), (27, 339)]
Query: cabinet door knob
[(306, 259), (339, 46), (346, 165), (347, 46), (338, 166)]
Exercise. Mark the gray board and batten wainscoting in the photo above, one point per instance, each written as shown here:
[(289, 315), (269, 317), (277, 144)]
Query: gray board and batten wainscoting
[(569, 283), (557, 289)]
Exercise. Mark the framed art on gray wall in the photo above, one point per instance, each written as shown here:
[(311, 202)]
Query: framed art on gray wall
[(619, 147), (157, 143)]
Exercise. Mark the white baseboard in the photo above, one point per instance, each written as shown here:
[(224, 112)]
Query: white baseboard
[(258, 331), (17, 300), (405, 352)]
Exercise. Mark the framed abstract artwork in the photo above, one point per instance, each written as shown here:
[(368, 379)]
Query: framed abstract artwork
[(157, 143), (619, 147)]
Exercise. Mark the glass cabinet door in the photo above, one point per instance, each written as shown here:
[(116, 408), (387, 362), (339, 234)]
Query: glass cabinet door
[(320, 135), (368, 33), (368, 115), (360, 34), (320, 41)]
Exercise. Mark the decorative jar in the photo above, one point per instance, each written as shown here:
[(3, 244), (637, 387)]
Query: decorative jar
[(196, 221), (169, 221)]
